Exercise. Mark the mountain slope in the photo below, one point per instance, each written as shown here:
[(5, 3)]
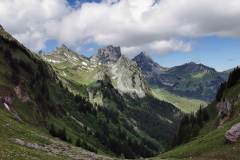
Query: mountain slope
[(119, 85), (36, 95), (151, 69), (32, 99), (124, 73), (188, 80), (211, 142)]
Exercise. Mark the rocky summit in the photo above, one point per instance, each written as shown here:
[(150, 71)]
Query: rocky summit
[(107, 55), (123, 72), (150, 69)]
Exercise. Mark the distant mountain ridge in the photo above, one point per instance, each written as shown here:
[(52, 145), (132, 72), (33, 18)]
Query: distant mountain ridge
[(190, 79), (219, 136), (150, 69), (109, 61)]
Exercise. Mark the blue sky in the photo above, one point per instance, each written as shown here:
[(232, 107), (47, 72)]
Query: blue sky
[(219, 53), (172, 32)]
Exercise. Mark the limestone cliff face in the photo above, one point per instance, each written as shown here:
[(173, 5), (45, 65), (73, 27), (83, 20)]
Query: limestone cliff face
[(129, 78), (123, 72), (107, 55)]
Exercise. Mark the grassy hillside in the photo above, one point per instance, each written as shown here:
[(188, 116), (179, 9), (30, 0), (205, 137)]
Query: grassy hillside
[(207, 146), (211, 144), (24, 141), (39, 99), (152, 120), (185, 104)]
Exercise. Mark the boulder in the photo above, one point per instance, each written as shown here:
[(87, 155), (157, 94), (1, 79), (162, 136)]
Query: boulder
[(233, 134)]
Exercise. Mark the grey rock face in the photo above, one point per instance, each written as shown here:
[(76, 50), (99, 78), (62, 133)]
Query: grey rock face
[(123, 72), (224, 111), (233, 134), (107, 55), (129, 78), (224, 108)]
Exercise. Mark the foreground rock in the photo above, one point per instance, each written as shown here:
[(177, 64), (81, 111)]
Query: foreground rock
[(233, 134)]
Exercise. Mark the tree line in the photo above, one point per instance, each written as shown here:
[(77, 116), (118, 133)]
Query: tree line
[(190, 126), (233, 78)]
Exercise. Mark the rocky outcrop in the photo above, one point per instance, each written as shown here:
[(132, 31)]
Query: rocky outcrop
[(224, 108), (6, 99), (224, 111), (233, 134), (129, 78), (107, 55), (95, 97), (122, 72), (21, 93)]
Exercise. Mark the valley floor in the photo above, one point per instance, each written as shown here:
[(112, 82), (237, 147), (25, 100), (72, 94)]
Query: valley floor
[(185, 104)]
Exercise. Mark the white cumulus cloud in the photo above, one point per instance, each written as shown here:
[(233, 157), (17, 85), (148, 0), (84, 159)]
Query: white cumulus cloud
[(154, 26)]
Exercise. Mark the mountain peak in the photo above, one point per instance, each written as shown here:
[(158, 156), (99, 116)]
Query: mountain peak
[(147, 65), (192, 63), (108, 54), (63, 47), (143, 57), (64, 51), (192, 67), (144, 54)]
